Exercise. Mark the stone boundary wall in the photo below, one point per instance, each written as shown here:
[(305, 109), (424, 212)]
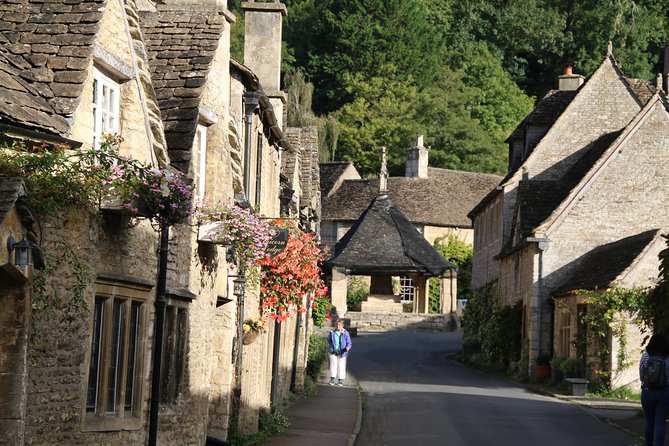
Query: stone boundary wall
[(382, 322)]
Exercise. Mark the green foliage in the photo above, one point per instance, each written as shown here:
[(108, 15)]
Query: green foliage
[(55, 177), (300, 114), (572, 368), (535, 40), (608, 313), (361, 37), (460, 254), (320, 308), (316, 356), (356, 291), (383, 112), (491, 330), (270, 424), (620, 393)]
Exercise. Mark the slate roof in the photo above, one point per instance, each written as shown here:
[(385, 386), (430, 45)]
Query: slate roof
[(45, 51), (330, 173), (538, 199), (181, 46), (383, 241), (604, 264), (442, 199), (546, 111)]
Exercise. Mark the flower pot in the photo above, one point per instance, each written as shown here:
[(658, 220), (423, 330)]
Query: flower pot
[(542, 372), (249, 337)]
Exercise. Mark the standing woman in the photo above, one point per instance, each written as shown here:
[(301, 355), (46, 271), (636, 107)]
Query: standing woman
[(655, 396), (340, 344)]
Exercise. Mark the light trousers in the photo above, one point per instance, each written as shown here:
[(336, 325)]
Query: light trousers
[(337, 366)]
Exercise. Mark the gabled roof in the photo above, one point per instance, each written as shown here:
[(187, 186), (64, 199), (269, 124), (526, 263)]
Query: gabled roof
[(546, 111), (605, 264), (442, 199), (537, 199), (592, 170), (181, 46), (331, 173), (45, 51), (383, 241)]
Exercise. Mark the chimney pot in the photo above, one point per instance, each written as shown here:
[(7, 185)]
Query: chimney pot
[(568, 70)]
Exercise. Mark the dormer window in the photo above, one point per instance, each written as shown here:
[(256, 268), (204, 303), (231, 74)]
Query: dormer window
[(106, 94)]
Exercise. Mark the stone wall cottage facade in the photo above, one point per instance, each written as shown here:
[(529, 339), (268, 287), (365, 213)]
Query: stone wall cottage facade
[(584, 172), (161, 76)]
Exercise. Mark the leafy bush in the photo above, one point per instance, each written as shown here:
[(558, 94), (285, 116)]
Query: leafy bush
[(316, 356), (357, 290), (571, 367), (492, 330)]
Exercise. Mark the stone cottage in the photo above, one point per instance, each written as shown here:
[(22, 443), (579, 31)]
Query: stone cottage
[(585, 180), (158, 74), (434, 200)]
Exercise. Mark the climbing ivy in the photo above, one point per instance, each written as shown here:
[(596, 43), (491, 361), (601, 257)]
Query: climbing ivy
[(609, 312), (491, 330)]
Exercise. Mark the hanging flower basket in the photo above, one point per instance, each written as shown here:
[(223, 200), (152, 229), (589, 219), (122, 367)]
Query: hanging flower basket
[(249, 337)]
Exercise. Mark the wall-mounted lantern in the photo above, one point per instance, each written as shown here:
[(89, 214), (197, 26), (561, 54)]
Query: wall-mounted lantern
[(23, 251)]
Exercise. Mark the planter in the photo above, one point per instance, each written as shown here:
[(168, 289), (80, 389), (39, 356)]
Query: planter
[(542, 372), (249, 337), (577, 386), (114, 204)]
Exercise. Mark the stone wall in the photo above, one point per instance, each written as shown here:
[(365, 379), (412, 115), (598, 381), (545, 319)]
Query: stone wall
[(382, 322)]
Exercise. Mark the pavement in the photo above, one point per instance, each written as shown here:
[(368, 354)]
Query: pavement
[(333, 417)]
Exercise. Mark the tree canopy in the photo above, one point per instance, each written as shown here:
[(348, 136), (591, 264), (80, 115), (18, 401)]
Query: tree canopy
[(461, 72)]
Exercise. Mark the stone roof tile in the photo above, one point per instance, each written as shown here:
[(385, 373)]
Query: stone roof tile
[(442, 199), (603, 265), (382, 240), (33, 32), (181, 46)]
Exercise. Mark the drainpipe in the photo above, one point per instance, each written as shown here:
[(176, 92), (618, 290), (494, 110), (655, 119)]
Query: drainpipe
[(275, 363), (251, 100), (158, 338)]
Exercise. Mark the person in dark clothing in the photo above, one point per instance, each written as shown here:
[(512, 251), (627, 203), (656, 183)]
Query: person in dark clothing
[(654, 398)]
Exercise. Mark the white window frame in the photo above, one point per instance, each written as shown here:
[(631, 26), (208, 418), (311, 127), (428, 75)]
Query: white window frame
[(407, 289), (106, 104)]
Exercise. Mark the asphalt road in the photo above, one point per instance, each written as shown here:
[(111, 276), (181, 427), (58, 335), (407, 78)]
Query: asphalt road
[(415, 395)]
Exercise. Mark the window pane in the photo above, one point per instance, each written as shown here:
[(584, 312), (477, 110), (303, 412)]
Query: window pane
[(180, 350), (168, 356), (94, 368), (114, 355), (132, 356)]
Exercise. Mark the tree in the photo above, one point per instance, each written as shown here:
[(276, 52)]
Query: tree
[(361, 37), (383, 113)]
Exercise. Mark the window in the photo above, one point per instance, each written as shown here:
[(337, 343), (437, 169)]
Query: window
[(174, 353), (406, 288), (105, 106), (201, 146), (116, 357), (565, 334)]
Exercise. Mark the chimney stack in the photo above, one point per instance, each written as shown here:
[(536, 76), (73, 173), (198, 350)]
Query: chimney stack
[(263, 24), (417, 159), (569, 81)]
